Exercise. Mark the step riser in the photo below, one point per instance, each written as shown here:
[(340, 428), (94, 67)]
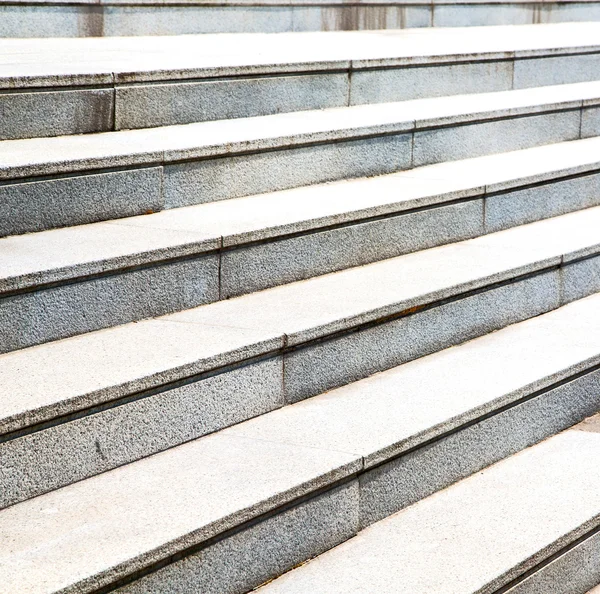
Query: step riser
[(72, 110), (238, 564), (576, 571), (172, 185), (35, 20), (36, 317), (99, 442)]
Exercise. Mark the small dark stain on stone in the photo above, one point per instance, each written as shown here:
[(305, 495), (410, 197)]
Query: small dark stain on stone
[(99, 450)]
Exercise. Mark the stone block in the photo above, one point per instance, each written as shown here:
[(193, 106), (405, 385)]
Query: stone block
[(576, 571), (46, 20), (556, 70), (518, 207), (401, 482), (590, 122), (67, 452), (39, 205), (273, 263), (401, 84), (261, 552), (486, 138), (141, 106), (187, 20), (54, 113), (477, 15), (242, 175), (580, 279), (32, 318), (324, 365)]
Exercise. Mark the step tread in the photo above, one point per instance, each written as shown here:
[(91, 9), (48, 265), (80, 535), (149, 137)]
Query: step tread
[(47, 380), (66, 62), (476, 535), (60, 254), (23, 158), (396, 410), (160, 509)]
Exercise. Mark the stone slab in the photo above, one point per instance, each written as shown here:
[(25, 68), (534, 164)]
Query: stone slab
[(262, 552), (580, 279), (138, 514), (53, 113), (243, 175), (90, 249), (590, 122), (572, 573), (75, 450), (512, 208), (322, 128), (40, 205), (480, 533), (141, 106), (555, 70), (301, 311), (387, 414), (47, 381), (31, 318), (269, 264)]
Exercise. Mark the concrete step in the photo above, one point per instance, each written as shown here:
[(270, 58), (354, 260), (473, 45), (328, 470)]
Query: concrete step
[(293, 483), (52, 87), (70, 180), (127, 392), (82, 18), (65, 282), (528, 522)]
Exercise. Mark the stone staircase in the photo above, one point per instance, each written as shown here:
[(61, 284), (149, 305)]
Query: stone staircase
[(273, 298), (93, 18)]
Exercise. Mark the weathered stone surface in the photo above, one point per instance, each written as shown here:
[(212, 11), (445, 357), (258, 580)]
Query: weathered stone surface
[(556, 70), (590, 122), (53, 113), (230, 177), (141, 106), (144, 512), (75, 450), (472, 140), (540, 202), (269, 264), (480, 533), (261, 552), (32, 318), (61, 202), (580, 279), (574, 572), (326, 365)]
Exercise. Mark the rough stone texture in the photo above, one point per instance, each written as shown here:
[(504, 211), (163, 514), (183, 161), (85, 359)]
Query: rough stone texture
[(230, 177), (41, 205), (322, 366), (143, 106), (472, 140), (580, 279), (359, 17), (473, 15), (30, 318), (574, 572), (28, 115), (401, 84), (475, 536), (556, 70), (185, 20), (46, 20), (257, 267), (138, 514), (405, 480), (590, 122), (47, 381), (540, 202), (264, 551), (75, 450)]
